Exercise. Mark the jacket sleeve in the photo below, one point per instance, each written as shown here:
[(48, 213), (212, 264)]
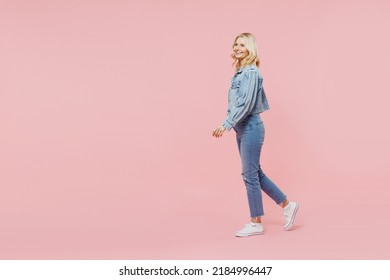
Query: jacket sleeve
[(245, 99)]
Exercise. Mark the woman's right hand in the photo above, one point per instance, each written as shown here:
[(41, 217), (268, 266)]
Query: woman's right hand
[(218, 132)]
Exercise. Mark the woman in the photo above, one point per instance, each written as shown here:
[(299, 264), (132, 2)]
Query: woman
[(246, 101)]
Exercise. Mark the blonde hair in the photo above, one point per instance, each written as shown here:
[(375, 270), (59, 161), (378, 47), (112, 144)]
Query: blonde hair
[(252, 57)]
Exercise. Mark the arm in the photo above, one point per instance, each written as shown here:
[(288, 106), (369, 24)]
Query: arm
[(245, 99)]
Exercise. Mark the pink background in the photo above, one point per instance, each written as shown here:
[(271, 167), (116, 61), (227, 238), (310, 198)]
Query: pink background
[(106, 114)]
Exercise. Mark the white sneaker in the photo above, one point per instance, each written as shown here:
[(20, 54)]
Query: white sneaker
[(251, 229), (289, 214)]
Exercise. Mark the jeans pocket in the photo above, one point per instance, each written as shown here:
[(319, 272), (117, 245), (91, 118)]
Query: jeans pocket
[(259, 122)]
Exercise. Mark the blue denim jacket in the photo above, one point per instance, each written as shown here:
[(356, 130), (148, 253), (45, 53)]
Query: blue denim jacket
[(246, 96)]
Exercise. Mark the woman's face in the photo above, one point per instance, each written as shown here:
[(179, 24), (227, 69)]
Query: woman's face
[(239, 49)]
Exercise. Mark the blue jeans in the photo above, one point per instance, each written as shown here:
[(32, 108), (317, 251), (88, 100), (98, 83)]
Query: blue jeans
[(250, 137)]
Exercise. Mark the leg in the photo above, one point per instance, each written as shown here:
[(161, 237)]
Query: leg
[(284, 203), (271, 189), (266, 184), (249, 144)]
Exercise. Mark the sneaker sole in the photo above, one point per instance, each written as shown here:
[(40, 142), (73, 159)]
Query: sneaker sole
[(250, 234), (291, 224)]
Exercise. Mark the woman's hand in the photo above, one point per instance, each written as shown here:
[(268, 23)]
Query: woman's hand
[(218, 132)]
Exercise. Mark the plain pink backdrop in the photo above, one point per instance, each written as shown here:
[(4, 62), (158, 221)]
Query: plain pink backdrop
[(106, 114)]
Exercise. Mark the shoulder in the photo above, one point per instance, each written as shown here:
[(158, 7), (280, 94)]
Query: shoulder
[(251, 71), (247, 72), (252, 67)]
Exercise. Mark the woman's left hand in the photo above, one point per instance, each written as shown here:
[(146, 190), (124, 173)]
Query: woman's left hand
[(218, 132)]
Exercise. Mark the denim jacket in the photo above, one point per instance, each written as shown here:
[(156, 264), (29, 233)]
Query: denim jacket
[(246, 96)]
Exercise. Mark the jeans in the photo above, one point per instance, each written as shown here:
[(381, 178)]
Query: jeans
[(250, 138)]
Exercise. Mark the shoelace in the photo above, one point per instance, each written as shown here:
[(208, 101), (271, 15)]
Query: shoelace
[(285, 214)]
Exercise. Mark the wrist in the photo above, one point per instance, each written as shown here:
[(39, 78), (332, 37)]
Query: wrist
[(226, 125)]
